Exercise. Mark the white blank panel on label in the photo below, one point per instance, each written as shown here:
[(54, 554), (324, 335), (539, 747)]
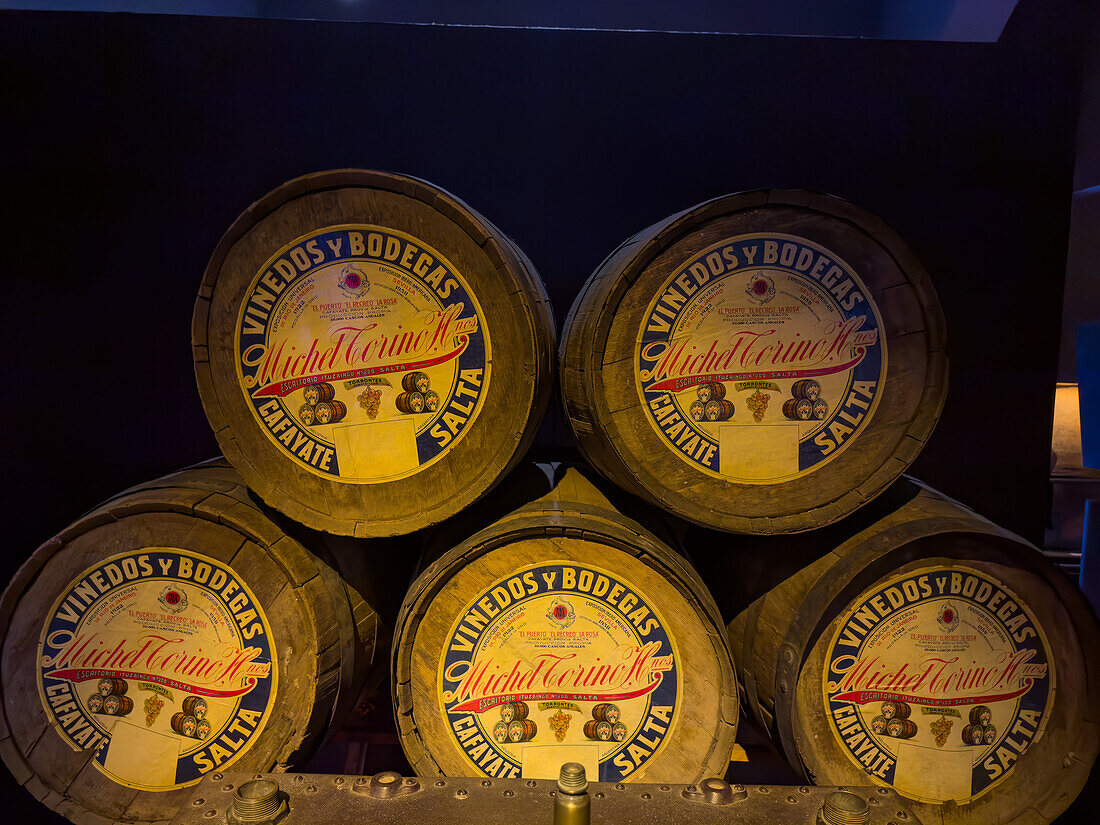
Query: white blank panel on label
[(379, 449), (545, 761), (142, 756), (758, 451), (922, 772)]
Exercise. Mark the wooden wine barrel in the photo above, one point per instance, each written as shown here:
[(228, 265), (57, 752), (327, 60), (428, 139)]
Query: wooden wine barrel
[(316, 393), (415, 382), (606, 712), (806, 388), (716, 410), (116, 705), (598, 729), (356, 280), (410, 402), (109, 687), (564, 605), (756, 292), (798, 409), (330, 412), (177, 599), (935, 618)]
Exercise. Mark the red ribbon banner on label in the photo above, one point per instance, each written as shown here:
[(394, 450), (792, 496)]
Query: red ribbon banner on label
[(285, 388), (78, 675), (862, 697), (677, 384), (482, 705)]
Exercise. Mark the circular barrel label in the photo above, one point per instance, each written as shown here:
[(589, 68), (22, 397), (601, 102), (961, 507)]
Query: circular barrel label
[(362, 353), (937, 682), (560, 662), (760, 359), (162, 663)]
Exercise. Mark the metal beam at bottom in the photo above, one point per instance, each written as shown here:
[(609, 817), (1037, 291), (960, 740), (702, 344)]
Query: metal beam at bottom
[(390, 799)]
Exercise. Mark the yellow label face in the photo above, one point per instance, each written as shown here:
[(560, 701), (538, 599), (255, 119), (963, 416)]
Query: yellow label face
[(760, 359), (937, 682), (363, 353), (161, 662), (560, 662)]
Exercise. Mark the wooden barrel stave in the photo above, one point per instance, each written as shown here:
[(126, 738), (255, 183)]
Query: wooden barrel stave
[(780, 641), (207, 508), (546, 523), (619, 444), (508, 290)]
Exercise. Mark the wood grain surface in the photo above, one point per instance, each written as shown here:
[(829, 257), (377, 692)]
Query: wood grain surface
[(574, 523), (322, 631), (604, 404), (780, 644), (517, 320)]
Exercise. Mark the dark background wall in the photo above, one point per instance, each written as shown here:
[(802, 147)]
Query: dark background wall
[(129, 143)]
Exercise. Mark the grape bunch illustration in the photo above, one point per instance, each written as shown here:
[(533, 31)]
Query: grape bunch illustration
[(758, 405), (370, 399), (559, 724), (941, 728), (152, 709)]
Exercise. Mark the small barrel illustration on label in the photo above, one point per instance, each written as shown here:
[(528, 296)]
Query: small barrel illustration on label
[(410, 402), (972, 735), (95, 703), (195, 706), (714, 391), (896, 710), (306, 414), (108, 687), (115, 705), (878, 725), (798, 409), (820, 409), (431, 401), (522, 730), (500, 732), (989, 735), (696, 410), (718, 409), (329, 412), (321, 391), (184, 723), (415, 382), (598, 730), (202, 729), (514, 710), (618, 731), (901, 728), (606, 712), (981, 715), (806, 388)]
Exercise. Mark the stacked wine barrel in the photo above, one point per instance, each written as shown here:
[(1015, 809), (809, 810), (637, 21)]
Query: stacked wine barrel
[(416, 337), (375, 357), (564, 632), (934, 653), (680, 350), (173, 630)]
